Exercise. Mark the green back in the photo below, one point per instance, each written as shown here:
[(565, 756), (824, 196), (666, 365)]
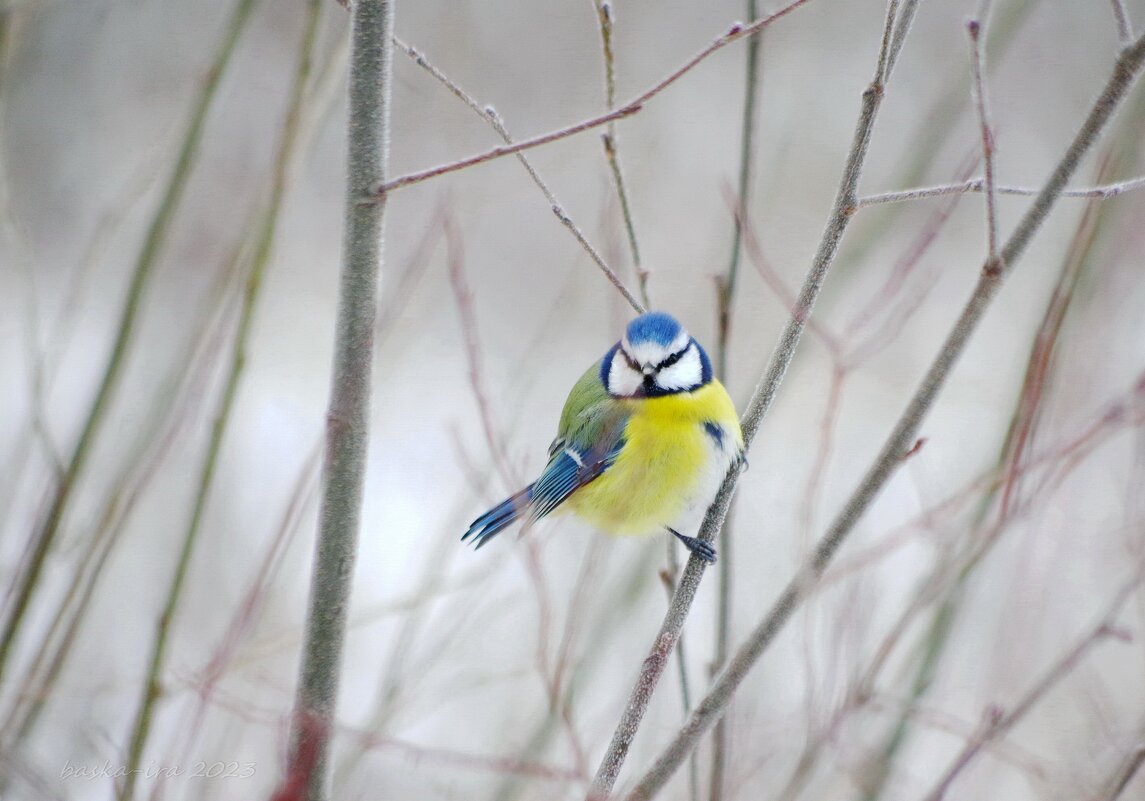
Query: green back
[(590, 414)]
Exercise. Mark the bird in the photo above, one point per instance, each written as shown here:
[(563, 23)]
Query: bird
[(645, 439)]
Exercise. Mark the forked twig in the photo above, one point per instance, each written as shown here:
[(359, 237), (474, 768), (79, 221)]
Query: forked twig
[(997, 722), (734, 34), (490, 115), (904, 434)]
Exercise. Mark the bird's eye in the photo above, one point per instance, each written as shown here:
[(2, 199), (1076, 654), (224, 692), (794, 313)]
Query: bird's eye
[(675, 357)]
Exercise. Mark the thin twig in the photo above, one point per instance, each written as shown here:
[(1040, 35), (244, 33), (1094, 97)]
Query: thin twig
[(1124, 29), (463, 296), (490, 115), (379, 190), (997, 722), (46, 532), (550, 675), (344, 466), (158, 439), (978, 90), (725, 296), (1125, 71), (611, 142), (727, 284), (246, 614), (1125, 773), (243, 709), (979, 185), (760, 402), (734, 34), (152, 685), (946, 582)]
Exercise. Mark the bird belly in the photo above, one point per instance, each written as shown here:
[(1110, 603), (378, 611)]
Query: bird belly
[(665, 476)]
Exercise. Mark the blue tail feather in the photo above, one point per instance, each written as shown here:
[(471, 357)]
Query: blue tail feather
[(500, 517)]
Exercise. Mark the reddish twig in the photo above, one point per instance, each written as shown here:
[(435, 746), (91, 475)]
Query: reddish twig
[(735, 33), (490, 115), (997, 722), (978, 89)]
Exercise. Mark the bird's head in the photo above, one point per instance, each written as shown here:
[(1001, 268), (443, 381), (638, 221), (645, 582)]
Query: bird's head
[(655, 357)]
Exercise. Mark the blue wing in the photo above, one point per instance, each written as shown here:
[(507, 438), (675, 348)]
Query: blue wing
[(499, 517), (570, 467)]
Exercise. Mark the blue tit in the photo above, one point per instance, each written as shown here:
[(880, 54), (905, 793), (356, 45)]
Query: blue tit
[(645, 439)]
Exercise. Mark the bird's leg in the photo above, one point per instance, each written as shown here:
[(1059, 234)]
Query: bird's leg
[(702, 549)]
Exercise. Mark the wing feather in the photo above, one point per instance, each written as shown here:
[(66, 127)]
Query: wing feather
[(569, 470), (589, 438)]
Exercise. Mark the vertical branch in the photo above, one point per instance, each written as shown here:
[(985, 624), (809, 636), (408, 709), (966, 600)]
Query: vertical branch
[(725, 295), (156, 237), (343, 471), (151, 684), (612, 146), (978, 90), (746, 152)]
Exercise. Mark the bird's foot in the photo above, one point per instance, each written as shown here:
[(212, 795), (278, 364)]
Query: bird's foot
[(697, 546)]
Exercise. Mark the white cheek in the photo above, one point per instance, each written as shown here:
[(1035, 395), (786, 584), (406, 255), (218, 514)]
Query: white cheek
[(684, 374), (622, 379)]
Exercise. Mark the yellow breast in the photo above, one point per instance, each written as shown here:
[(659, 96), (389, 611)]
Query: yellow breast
[(668, 461)]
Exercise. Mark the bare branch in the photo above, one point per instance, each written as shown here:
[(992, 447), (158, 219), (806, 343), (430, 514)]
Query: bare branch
[(979, 185), (344, 465), (611, 140), (490, 115), (996, 722), (761, 400), (1125, 773), (734, 34), (1124, 29), (900, 441), (237, 359), (48, 528), (725, 298), (978, 89)]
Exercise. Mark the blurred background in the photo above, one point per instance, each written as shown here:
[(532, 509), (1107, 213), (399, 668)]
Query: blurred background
[(169, 213)]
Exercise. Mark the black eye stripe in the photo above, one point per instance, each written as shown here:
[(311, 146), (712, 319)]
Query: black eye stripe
[(666, 363), (631, 362), (675, 357)]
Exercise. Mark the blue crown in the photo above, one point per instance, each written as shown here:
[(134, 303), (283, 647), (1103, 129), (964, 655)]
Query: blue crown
[(655, 327)]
